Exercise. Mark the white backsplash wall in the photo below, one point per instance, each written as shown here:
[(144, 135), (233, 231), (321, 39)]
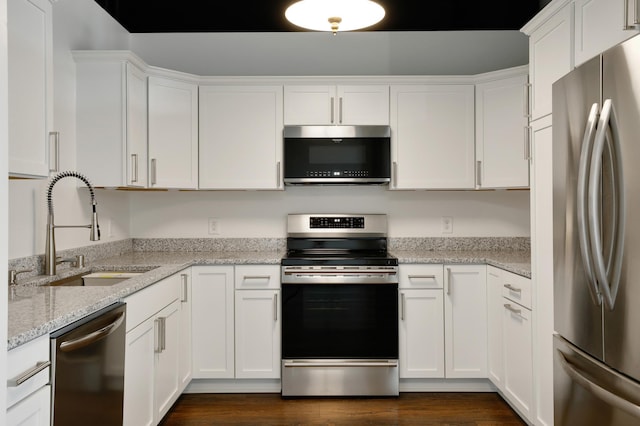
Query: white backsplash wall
[(241, 214)]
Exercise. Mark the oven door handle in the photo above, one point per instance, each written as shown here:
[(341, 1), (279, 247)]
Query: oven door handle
[(340, 272), (389, 363)]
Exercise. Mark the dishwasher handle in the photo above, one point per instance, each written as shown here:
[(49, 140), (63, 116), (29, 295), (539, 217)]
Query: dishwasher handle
[(90, 338)]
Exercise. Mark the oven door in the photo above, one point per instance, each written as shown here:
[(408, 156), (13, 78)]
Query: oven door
[(339, 339)]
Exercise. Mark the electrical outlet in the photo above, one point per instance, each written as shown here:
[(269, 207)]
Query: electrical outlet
[(214, 226), (447, 224)]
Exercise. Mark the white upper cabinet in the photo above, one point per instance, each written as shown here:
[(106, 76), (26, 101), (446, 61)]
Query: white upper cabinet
[(502, 143), (241, 137), (111, 129), (550, 56), (601, 24), (343, 104), (432, 136), (173, 133), (30, 75)]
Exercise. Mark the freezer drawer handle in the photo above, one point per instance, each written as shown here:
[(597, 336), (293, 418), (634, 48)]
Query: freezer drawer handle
[(40, 366), (597, 390)]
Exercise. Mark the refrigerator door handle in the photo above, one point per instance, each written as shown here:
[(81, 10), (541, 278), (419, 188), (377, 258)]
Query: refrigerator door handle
[(608, 396), (583, 182), (608, 277)]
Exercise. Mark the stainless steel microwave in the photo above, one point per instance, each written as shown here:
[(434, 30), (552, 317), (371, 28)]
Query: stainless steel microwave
[(347, 155)]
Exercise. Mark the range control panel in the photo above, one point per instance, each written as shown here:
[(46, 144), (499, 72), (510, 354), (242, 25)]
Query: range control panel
[(336, 222)]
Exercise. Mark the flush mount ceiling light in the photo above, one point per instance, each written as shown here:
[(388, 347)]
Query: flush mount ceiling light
[(334, 15)]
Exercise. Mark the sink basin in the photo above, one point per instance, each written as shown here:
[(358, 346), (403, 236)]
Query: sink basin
[(101, 278)]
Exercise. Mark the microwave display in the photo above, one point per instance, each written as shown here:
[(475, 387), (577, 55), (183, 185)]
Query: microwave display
[(337, 155)]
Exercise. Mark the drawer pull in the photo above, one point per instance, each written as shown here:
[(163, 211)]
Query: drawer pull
[(422, 277), (12, 383), (512, 288), (512, 309)]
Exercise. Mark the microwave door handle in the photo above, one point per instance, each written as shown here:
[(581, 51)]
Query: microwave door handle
[(608, 280), (581, 192)]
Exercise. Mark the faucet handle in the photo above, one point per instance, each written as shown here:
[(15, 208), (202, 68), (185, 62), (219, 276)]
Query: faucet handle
[(13, 275)]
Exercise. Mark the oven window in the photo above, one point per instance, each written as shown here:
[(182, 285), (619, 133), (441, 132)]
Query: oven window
[(339, 321), (337, 154)]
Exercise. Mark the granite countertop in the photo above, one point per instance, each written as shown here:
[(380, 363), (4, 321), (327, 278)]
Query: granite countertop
[(36, 309)]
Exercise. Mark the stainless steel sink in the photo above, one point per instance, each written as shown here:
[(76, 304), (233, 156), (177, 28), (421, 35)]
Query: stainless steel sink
[(101, 278)]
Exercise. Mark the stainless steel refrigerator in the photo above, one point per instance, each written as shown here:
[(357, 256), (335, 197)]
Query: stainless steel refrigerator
[(596, 220)]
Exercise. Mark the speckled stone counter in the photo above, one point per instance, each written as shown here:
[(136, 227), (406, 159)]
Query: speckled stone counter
[(518, 262), (36, 309)]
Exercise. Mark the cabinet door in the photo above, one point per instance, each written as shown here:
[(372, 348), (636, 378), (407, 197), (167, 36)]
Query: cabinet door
[(139, 375), (495, 310), (32, 411), (212, 322), (542, 266), (600, 25), (465, 322), (502, 144), (432, 136), (241, 137), (363, 105), (30, 91), (309, 105), (518, 373), (167, 324), (136, 127), (257, 334), (173, 133), (421, 333), (186, 296), (550, 57)]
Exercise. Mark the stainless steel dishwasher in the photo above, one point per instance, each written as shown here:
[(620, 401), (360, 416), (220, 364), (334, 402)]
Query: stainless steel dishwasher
[(88, 369)]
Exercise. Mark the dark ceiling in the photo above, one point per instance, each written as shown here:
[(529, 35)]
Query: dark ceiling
[(158, 16)]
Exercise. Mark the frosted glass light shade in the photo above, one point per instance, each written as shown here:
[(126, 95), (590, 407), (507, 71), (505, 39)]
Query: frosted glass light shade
[(334, 15)]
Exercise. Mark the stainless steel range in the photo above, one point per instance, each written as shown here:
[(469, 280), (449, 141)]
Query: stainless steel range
[(339, 307)]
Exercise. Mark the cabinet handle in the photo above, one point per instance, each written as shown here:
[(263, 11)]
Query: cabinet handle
[(636, 17), (332, 108), (17, 381), (275, 307), (278, 174), (402, 306), (424, 277), (56, 151), (256, 277), (527, 100), (134, 168), (448, 281), (478, 173), (512, 288), (163, 340), (340, 110), (512, 309), (394, 173), (185, 288), (157, 335), (527, 143), (153, 171)]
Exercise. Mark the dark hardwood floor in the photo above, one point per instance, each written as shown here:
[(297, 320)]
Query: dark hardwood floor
[(409, 409)]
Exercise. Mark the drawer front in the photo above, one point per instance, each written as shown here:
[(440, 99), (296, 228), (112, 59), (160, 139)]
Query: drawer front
[(257, 277), (421, 276), (28, 364), (516, 288), (148, 301)]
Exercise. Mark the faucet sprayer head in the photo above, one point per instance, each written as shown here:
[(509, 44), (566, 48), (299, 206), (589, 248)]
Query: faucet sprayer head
[(95, 227)]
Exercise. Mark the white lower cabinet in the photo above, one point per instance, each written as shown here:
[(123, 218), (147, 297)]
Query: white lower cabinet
[(212, 322), (29, 400), (465, 313), (511, 338), (185, 370), (421, 333), (152, 352), (236, 322), (257, 321)]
